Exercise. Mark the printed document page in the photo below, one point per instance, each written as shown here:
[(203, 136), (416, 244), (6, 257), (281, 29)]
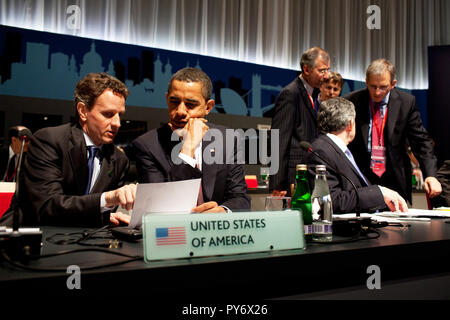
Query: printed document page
[(165, 197)]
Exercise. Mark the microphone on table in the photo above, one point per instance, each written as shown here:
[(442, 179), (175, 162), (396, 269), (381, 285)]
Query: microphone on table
[(24, 136), (25, 243)]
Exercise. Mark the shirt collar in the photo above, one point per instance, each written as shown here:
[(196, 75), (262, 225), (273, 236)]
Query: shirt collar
[(308, 88), (88, 141), (385, 101), (11, 152), (338, 141)]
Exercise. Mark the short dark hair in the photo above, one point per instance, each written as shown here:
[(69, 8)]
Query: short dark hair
[(13, 132), (193, 75), (93, 85)]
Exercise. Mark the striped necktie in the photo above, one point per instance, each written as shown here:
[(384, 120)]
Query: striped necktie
[(93, 151)]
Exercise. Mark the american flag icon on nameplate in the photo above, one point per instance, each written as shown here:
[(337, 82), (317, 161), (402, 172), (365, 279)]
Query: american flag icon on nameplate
[(170, 236)]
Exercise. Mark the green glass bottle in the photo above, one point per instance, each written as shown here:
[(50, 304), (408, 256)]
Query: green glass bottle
[(301, 199)]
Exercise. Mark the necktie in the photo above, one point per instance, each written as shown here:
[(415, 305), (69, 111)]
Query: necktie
[(352, 160), (378, 154), (315, 99), (92, 154), (10, 173)]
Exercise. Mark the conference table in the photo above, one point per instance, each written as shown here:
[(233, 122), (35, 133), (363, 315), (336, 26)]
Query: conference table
[(413, 262)]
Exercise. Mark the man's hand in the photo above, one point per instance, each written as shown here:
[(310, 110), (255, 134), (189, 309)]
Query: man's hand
[(208, 207), (393, 200), (123, 197), (279, 193), (117, 217), (432, 187), (193, 133)]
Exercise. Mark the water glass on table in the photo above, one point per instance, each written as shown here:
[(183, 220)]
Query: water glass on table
[(277, 203)]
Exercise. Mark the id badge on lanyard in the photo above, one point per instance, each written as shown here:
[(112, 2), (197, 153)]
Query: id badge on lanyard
[(378, 157)]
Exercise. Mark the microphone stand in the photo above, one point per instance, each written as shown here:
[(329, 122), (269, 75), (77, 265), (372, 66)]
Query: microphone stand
[(16, 192), (26, 244)]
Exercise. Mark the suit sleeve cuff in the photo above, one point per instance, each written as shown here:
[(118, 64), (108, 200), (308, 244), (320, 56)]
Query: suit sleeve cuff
[(226, 209), (103, 207)]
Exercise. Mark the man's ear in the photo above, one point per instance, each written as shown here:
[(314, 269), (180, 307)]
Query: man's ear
[(15, 145), (394, 83), (350, 125), (306, 70), (209, 105), (82, 111)]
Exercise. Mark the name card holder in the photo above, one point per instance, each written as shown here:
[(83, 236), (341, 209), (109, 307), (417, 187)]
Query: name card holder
[(197, 235)]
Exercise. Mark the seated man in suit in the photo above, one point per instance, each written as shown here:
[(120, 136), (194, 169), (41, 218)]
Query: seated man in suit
[(9, 154), (336, 122), (73, 174), (295, 117), (223, 186), (443, 175)]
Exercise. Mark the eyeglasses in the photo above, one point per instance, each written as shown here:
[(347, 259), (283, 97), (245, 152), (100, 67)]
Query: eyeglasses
[(382, 88)]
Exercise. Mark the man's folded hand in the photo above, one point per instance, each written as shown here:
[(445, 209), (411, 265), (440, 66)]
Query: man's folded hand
[(209, 207)]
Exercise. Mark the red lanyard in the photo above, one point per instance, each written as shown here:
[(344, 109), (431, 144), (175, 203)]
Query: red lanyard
[(379, 130), (312, 102), (9, 179)]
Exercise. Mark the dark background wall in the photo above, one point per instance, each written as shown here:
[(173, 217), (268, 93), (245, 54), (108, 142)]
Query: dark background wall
[(438, 99)]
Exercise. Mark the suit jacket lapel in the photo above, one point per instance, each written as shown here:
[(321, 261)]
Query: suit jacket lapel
[(165, 147), (347, 161), (106, 171), (208, 171), (304, 96), (393, 110), (364, 117), (78, 158)]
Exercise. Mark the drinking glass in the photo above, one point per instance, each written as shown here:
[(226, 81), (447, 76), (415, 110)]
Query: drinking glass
[(277, 203), (264, 172)]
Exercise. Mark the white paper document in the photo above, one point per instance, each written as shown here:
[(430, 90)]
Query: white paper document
[(165, 197), (411, 215), (416, 213)]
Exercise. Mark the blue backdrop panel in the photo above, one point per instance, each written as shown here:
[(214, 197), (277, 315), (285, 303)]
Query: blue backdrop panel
[(47, 65)]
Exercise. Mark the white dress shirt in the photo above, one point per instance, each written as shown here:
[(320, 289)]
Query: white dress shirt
[(96, 172), (196, 162)]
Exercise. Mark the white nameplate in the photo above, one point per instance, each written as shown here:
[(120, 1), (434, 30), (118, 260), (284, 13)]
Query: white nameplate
[(197, 235)]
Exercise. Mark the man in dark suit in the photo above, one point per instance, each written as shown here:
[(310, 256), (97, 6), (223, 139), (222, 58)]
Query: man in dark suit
[(295, 117), (74, 175), (9, 154), (386, 118), (443, 176), (336, 122), (158, 159)]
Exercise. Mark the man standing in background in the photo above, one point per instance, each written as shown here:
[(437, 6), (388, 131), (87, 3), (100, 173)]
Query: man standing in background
[(295, 117), (386, 118)]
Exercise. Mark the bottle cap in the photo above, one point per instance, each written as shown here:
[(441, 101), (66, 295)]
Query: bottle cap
[(301, 167), (321, 168)]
